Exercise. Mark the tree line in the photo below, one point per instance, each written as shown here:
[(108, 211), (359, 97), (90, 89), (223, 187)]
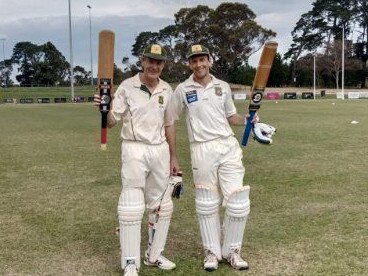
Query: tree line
[(40, 65), (232, 34)]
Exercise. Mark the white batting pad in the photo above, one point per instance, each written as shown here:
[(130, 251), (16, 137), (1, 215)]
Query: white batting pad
[(159, 222), (237, 211), (130, 211), (207, 206)]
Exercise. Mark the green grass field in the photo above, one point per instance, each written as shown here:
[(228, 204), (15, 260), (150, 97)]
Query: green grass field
[(308, 200), (45, 92)]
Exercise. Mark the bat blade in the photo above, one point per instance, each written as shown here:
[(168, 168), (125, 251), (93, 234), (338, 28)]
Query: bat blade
[(259, 85), (106, 42)]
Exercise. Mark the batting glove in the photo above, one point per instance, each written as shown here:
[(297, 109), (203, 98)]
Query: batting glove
[(263, 133), (177, 184)]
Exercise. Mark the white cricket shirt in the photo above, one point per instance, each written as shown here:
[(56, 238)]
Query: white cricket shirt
[(206, 109), (144, 115)]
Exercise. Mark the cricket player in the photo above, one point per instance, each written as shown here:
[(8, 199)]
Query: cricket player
[(216, 159), (141, 103)]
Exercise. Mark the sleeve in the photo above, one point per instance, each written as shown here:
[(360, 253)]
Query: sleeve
[(119, 104), (230, 108), (177, 102), (169, 112)]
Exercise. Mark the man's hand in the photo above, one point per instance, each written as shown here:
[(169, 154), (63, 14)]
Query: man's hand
[(110, 119), (174, 166), (255, 120), (177, 185), (97, 100)]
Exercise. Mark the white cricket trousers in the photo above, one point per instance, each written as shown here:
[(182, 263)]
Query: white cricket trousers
[(218, 163)]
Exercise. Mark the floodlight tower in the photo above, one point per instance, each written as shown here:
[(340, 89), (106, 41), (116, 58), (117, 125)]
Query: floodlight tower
[(71, 55), (90, 41), (314, 76), (343, 62), (3, 40)]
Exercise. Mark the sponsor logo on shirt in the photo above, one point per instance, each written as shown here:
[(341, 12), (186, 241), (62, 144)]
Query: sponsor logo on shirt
[(191, 96)]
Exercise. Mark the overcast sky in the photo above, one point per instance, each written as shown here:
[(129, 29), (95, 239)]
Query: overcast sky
[(39, 21)]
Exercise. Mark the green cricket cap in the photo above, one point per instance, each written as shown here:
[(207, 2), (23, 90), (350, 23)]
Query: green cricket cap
[(155, 51), (196, 50)]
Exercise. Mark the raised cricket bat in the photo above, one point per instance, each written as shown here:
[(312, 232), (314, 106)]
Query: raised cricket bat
[(106, 40), (259, 85)]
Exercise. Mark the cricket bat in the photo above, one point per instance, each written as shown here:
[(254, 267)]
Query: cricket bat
[(259, 85), (106, 41)]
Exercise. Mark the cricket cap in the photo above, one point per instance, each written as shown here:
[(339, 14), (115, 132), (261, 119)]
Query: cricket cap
[(155, 51), (196, 50)]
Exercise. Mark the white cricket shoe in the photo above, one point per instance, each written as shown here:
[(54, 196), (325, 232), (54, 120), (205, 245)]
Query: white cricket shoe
[(236, 261), (130, 270), (161, 262), (210, 262)]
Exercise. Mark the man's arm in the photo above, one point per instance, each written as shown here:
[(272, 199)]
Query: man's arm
[(170, 133), (111, 121), (240, 120), (110, 118)]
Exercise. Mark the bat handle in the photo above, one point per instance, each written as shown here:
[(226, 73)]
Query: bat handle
[(248, 128), (103, 130)]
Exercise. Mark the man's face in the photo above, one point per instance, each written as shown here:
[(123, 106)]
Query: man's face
[(200, 65), (152, 68)]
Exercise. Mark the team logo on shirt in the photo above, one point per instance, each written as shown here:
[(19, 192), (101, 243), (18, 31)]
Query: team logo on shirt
[(218, 91), (191, 96), (161, 99)]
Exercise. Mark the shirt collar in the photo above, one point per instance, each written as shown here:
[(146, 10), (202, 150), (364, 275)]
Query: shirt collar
[(191, 82), (137, 83)]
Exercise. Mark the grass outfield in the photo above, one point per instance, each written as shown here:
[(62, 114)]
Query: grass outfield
[(308, 201), (45, 92)]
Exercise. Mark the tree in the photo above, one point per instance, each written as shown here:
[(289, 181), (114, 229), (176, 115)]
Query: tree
[(279, 72), (192, 25), (129, 69), (234, 36), (332, 62), (361, 46), (142, 41), (174, 70), (6, 69), (229, 31), (242, 75), (81, 76), (304, 69), (25, 55), (118, 75), (306, 38), (52, 67), (167, 36), (323, 26), (41, 65)]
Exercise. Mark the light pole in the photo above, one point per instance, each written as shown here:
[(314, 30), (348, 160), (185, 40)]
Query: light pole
[(3, 40), (343, 62), (3, 82), (90, 41), (314, 76), (71, 56)]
